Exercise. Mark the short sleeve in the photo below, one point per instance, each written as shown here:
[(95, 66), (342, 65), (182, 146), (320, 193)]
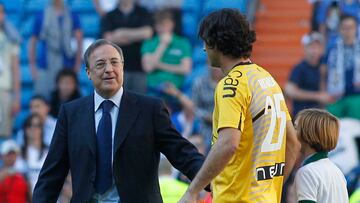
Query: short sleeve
[(233, 98), (147, 47), (305, 185), (295, 75)]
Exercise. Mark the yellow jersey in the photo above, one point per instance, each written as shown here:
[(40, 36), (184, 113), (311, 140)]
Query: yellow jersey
[(250, 100)]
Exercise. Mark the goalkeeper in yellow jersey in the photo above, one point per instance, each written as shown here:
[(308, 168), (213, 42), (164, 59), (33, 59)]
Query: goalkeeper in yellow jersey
[(254, 142)]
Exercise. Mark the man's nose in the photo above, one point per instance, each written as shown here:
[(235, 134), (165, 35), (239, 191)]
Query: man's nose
[(108, 67)]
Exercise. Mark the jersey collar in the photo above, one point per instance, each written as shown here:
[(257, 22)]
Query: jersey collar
[(242, 63), (315, 157)]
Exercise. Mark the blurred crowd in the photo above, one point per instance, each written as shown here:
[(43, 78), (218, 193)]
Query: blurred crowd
[(159, 62), (328, 77)]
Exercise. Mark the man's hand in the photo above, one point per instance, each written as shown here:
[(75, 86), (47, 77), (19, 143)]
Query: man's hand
[(4, 173), (170, 89), (325, 98), (188, 198), (118, 36), (165, 39)]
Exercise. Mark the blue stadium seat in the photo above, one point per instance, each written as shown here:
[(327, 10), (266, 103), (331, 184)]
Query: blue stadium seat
[(26, 26), (13, 17), (82, 6), (34, 6), (26, 94), (212, 5), (86, 90), (90, 24), (190, 25), (192, 6), (12, 6), (84, 82), (24, 51), (198, 55), (82, 75), (26, 78), (20, 118)]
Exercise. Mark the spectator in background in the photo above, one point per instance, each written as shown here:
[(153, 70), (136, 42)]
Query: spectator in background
[(343, 61), (343, 70), (320, 9), (329, 27), (161, 4), (104, 6), (304, 83), (203, 96), (67, 89), (128, 25), (39, 105), (9, 74), (351, 7), (13, 186), (315, 9), (167, 56), (175, 6), (34, 150), (54, 28), (182, 110)]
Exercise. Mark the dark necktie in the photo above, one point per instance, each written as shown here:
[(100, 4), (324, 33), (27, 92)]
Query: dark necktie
[(104, 149)]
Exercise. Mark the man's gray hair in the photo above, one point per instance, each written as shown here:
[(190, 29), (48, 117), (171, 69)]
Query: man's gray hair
[(96, 44)]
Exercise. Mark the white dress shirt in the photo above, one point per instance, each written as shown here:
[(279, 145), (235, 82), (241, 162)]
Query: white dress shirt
[(110, 196)]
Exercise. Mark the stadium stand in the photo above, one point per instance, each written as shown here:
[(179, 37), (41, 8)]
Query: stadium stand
[(278, 47), (212, 5), (22, 14), (279, 30)]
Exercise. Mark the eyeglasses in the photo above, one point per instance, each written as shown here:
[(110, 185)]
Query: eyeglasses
[(115, 63)]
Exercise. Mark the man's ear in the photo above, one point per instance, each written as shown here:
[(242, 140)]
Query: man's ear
[(88, 73)]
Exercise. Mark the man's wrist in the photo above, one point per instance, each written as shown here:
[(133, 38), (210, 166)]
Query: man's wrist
[(191, 190), (178, 95)]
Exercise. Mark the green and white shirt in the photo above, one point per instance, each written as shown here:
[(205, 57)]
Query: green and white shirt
[(178, 49), (320, 181)]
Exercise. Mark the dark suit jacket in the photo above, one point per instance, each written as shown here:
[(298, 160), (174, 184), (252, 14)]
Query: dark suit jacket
[(143, 130)]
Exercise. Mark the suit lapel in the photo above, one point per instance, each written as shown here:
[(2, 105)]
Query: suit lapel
[(128, 112), (89, 124)]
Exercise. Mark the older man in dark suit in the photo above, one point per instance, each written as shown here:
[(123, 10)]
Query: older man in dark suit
[(111, 140)]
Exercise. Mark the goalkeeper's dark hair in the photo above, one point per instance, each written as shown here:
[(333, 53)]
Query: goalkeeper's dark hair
[(229, 32)]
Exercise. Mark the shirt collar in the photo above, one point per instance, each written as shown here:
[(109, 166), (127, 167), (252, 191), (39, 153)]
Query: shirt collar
[(315, 157), (115, 99)]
